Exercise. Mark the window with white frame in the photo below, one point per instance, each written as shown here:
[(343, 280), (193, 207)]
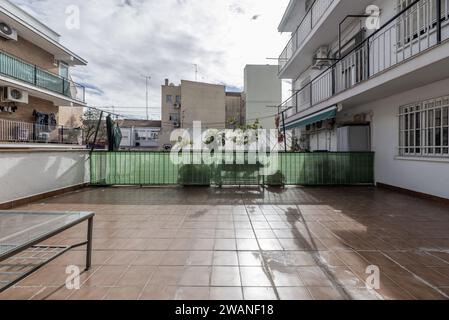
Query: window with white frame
[(416, 21), (424, 128)]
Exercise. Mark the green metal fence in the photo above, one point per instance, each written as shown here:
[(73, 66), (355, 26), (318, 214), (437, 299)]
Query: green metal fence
[(157, 168)]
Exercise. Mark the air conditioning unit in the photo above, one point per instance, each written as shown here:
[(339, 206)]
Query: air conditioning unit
[(177, 106), (14, 95), (321, 58), (7, 32)]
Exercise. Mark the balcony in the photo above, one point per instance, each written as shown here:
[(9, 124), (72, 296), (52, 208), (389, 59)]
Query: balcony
[(306, 26), (25, 132), (17, 69), (405, 36)]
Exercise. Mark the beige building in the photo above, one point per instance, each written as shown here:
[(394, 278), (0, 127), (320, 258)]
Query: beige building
[(34, 76), (191, 101)]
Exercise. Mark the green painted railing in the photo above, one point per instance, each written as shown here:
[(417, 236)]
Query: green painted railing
[(18, 69), (156, 168)]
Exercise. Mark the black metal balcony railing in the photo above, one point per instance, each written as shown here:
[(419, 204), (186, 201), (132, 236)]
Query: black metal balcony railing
[(309, 21), (408, 33), (18, 69), (17, 131)]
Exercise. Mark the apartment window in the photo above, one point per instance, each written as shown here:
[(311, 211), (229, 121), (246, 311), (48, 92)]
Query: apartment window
[(63, 70), (169, 98), (416, 21), (174, 117), (178, 99), (424, 128)]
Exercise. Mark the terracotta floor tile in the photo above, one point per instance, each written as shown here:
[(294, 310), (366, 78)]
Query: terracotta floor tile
[(21, 293), (250, 259), (195, 276), (89, 293), (166, 276), (123, 293), (247, 245), (294, 293), (226, 293), (327, 293), (255, 277), (259, 293), (286, 277), (270, 245), (244, 234), (225, 277), (158, 292), (136, 276), (192, 293), (225, 258), (105, 276), (316, 276), (148, 258), (225, 244), (200, 258)]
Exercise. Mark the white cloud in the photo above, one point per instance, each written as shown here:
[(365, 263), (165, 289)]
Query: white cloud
[(125, 39)]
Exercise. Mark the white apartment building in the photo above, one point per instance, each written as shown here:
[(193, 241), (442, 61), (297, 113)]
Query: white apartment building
[(372, 75)]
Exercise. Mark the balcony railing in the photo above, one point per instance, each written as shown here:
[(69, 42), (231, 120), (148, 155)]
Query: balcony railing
[(18, 69), (310, 20), (410, 32), (25, 132)]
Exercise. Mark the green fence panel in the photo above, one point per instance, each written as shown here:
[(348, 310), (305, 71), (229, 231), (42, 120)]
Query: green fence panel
[(293, 168)]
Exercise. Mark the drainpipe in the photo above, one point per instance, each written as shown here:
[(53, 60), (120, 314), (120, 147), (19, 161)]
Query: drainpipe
[(285, 135)]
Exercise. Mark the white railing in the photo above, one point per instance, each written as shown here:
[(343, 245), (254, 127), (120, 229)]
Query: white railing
[(16, 131), (410, 33), (310, 20)]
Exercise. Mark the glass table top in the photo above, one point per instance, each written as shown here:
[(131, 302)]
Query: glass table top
[(17, 229)]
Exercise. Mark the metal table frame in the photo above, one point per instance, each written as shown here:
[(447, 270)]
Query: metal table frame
[(35, 244)]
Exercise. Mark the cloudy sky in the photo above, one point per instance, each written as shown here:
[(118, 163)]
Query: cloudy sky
[(124, 40)]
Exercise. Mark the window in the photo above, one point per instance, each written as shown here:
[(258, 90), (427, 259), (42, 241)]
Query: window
[(178, 99), (63, 70), (424, 128), (174, 117), (169, 98), (416, 21)]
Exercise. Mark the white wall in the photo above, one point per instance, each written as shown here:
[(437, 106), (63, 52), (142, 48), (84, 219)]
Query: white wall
[(263, 89), (429, 176), (28, 173)]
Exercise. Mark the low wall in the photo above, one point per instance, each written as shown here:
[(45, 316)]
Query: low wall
[(31, 173)]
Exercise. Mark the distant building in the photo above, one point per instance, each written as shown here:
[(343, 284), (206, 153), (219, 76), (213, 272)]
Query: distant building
[(188, 102), (138, 134), (235, 112), (263, 91)]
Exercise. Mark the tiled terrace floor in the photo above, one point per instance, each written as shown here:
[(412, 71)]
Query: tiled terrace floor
[(295, 243)]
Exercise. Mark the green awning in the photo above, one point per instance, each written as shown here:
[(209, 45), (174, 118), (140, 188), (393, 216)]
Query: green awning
[(325, 114)]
